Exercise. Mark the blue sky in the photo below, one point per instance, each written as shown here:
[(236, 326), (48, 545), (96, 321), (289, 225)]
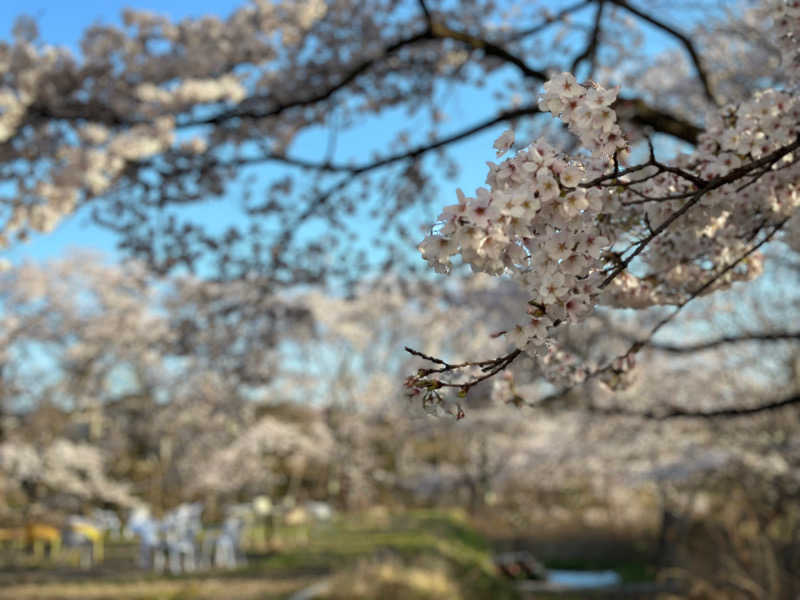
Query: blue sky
[(62, 22)]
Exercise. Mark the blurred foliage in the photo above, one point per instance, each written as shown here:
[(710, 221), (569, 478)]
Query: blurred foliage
[(439, 544)]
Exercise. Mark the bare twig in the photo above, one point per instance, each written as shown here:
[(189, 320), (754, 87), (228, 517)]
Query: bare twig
[(489, 368)]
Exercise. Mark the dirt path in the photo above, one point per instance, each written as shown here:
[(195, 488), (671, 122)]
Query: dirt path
[(195, 589)]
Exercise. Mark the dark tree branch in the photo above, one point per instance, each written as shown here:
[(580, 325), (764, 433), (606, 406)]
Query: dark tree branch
[(440, 30), (502, 117), (352, 170), (682, 37), (590, 52), (352, 75), (76, 110), (674, 412), (724, 341), (549, 21), (638, 112), (434, 30), (425, 12)]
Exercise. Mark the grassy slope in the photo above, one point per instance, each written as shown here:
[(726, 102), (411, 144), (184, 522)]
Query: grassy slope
[(415, 538)]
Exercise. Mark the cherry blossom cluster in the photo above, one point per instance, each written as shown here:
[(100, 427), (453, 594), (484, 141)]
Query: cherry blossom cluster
[(70, 468), (586, 110), (257, 448), (566, 228), (722, 220), (536, 221)]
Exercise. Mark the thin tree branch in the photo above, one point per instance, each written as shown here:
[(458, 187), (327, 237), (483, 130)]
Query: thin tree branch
[(682, 37), (504, 116), (433, 30), (245, 113), (440, 30), (590, 52), (723, 341), (412, 154), (638, 345), (674, 412), (353, 170), (489, 368), (548, 21)]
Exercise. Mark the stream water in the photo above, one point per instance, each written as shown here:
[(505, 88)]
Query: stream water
[(583, 579)]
